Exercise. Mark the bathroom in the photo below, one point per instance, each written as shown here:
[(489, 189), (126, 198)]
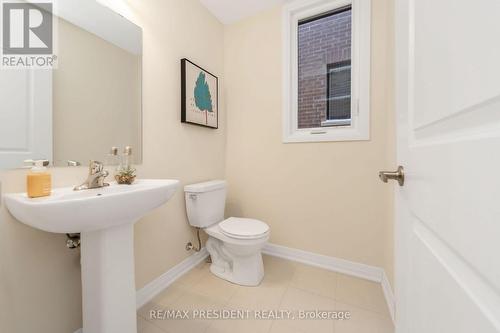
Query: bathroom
[(409, 254)]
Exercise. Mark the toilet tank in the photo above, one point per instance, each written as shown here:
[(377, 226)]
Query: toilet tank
[(205, 203)]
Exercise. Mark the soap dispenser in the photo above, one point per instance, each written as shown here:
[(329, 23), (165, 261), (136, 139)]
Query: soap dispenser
[(113, 160), (39, 181)]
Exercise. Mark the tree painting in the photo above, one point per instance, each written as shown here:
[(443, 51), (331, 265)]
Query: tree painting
[(202, 97), (199, 91)]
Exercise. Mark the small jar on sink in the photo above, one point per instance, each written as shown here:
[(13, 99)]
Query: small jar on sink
[(125, 174)]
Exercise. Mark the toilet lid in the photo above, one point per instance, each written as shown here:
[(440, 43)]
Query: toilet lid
[(237, 227)]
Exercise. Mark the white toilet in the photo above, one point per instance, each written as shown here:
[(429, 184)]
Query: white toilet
[(234, 244)]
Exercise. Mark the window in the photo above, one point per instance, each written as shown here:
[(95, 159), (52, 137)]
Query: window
[(324, 81), (326, 70)]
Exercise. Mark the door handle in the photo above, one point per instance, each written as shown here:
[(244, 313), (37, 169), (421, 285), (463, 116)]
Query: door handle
[(398, 175)]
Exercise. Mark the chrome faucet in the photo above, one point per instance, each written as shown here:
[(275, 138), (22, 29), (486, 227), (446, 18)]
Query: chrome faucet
[(95, 178)]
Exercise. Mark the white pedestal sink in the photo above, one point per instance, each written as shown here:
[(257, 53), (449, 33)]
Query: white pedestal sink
[(105, 218)]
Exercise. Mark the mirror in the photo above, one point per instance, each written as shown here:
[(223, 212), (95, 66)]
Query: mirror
[(89, 103)]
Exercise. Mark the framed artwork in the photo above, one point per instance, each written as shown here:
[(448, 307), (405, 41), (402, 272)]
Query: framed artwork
[(199, 96)]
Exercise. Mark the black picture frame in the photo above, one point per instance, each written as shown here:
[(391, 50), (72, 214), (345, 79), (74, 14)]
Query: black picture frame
[(184, 98)]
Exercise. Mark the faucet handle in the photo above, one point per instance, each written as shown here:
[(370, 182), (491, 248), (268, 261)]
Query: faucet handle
[(95, 167)]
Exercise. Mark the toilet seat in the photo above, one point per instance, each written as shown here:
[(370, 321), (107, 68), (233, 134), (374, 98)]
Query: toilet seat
[(243, 228)]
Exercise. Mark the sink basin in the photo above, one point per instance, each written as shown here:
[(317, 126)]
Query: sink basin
[(105, 219), (68, 211)]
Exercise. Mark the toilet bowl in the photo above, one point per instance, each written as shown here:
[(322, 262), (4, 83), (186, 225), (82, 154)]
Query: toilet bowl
[(234, 244), (236, 255)]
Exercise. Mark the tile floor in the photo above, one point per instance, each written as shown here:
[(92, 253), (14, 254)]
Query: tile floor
[(287, 286)]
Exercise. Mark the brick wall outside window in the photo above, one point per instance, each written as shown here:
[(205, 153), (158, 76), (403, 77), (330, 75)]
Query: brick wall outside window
[(321, 42)]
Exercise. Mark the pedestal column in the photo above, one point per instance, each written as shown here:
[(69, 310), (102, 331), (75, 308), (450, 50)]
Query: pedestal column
[(108, 280)]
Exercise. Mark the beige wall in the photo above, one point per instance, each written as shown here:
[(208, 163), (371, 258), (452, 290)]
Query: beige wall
[(96, 91), (174, 30), (39, 277), (40, 288), (320, 197)]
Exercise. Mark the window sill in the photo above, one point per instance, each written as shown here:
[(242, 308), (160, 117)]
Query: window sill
[(346, 133)]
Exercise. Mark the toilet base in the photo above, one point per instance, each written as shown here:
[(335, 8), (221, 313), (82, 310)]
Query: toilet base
[(237, 263)]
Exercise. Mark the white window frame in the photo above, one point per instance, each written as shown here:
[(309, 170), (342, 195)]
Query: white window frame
[(360, 81)]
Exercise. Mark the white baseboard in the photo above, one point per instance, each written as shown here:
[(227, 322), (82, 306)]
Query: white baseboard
[(79, 330), (356, 269), (152, 289), (389, 296), (363, 271)]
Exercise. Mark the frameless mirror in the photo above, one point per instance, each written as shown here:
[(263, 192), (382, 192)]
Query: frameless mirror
[(90, 102)]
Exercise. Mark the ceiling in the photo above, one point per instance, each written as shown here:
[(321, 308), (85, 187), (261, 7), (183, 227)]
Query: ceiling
[(230, 11)]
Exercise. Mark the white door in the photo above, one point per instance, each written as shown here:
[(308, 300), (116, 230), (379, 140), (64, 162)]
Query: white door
[(448, 211), (25, 116)]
